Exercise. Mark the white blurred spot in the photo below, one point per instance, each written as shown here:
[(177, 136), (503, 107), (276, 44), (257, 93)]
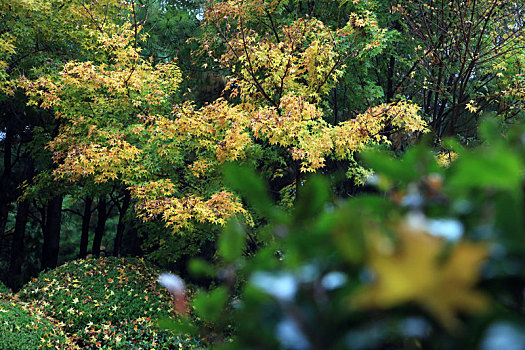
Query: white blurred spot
[(450, 229), (282, 286), (334, 280), (290, 335), (416, 220), (503, 335), (372, 179), (173, 283)]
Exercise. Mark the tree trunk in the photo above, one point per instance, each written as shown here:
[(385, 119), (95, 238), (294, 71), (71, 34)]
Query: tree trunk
[(17, 244), (101, 226), (52, 233), (86, 218), (390, 79), (4, 181), (133, 242), (121, 224)]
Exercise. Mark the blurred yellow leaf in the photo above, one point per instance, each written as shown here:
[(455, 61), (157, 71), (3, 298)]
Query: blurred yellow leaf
[(414, 272)]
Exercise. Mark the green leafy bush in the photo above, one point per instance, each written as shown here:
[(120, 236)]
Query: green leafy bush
[(104, 302), (141, 333), (434, 260), (3, 289), (26, 328)]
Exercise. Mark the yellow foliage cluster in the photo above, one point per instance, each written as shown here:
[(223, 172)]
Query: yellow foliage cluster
[(114, 121), (224, 132), (119, 122), (299, 125), (446, 158), (160, 199), (303, 61), (6, 49)]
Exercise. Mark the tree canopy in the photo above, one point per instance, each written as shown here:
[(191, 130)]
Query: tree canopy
[(120, 121)]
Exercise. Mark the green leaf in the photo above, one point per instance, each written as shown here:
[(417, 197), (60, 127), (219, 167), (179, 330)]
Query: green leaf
[(199, 267), (497, 168), (417, 161), (489, 130), (231, 241), (210, 305), (245, 181), (385, 165), (312, 199), (178, 325)]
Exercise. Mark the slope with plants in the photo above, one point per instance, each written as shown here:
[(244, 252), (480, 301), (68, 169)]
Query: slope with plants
[(106, 303)]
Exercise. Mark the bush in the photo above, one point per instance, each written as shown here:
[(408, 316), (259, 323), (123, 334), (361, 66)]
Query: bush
[(434, 260), (4, 289), (97, 299), (26, 328), (133, 334)]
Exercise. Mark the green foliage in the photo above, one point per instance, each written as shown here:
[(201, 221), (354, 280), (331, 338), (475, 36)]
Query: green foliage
[(434, 260), (26, 328), (4, 289), (98, 290), (141, 333), (94, 298), (209, 305), (231, 242)]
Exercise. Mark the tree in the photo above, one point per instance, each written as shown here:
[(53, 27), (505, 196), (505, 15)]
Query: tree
[(37, 37), (463, 62), (118, 122)]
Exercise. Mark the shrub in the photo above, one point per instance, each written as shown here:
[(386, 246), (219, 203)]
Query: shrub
[(4, 289), (434, 260), (24, 327), (140, 333), (96, 296)]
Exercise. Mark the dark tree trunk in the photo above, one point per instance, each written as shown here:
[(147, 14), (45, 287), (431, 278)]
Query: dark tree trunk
[(86, 219), (52, 233), (133, 243), (121, 224), (17, 244), (101, 226), (5, 199), (390, 79)]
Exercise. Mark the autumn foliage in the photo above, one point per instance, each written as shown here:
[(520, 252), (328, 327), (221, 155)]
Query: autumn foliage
[(335, 144), (119, 121)]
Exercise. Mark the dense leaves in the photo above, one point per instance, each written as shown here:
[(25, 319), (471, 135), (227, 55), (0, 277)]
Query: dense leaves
[(25, 327), (129, 118), (106, 303), (425, 259)]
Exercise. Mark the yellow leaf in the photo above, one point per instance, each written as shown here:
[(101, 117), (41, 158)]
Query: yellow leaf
[(414, 273)]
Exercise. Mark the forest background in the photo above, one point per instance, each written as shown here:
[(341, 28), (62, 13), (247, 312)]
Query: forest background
[(120, 121)]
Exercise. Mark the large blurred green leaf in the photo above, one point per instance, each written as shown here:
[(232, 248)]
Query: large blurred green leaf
[(245, 181), (417, 161), (495, 168), (199, 267), (312, 198), (209, 305), (231, 241), (179, 325)]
